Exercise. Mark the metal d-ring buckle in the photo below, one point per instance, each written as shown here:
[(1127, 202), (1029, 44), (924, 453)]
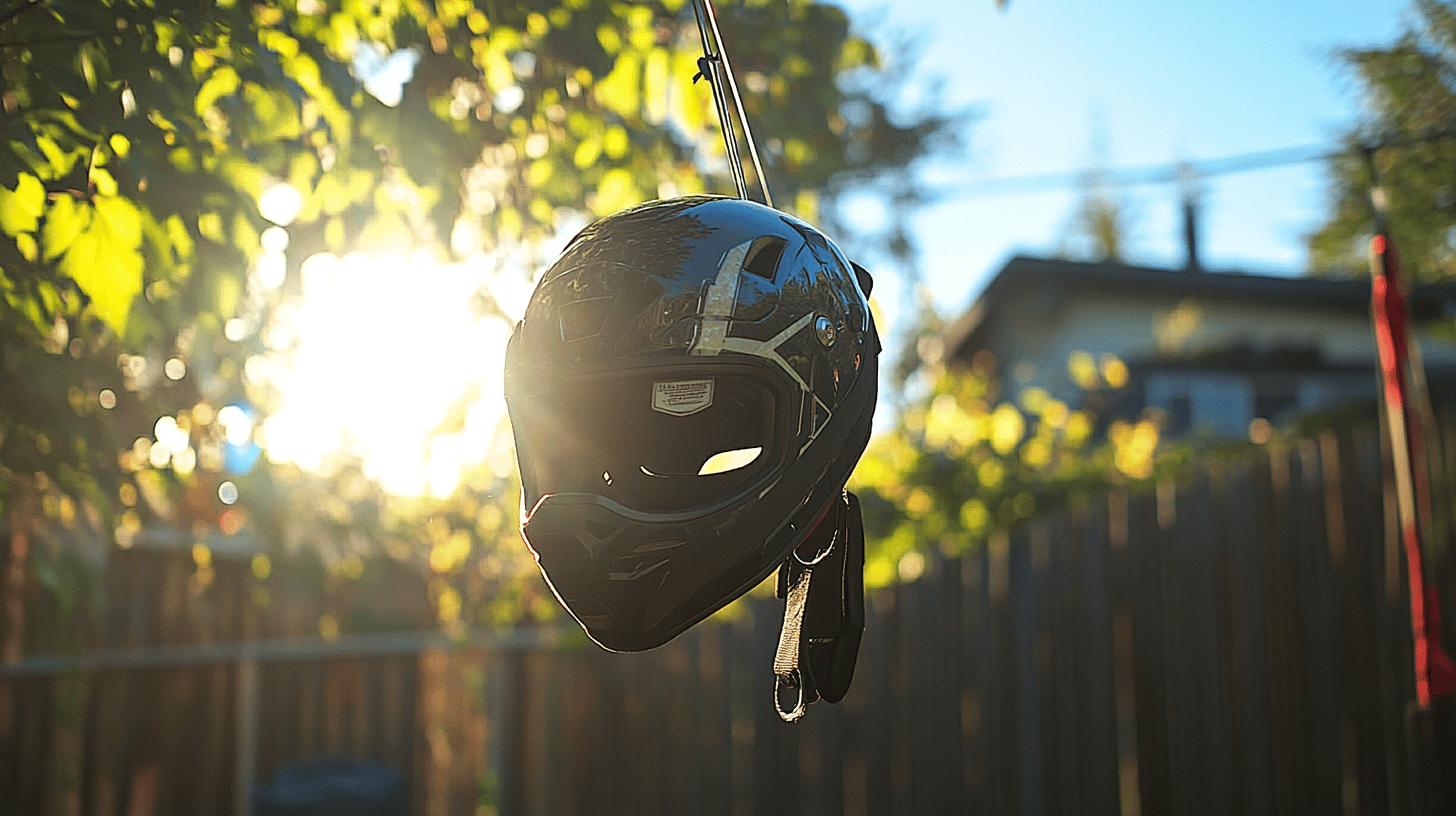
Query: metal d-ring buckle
[(797, 712), (824, 553), (819, 556)]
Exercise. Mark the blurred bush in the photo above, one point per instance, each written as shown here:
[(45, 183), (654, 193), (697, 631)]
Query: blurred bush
[(970, 456)]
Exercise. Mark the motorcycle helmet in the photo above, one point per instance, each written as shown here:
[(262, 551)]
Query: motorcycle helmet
[(689, 389)]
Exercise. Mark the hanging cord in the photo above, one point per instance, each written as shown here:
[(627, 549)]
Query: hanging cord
[(714, 66)]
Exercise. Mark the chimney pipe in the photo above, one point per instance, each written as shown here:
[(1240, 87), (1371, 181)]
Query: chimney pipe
[(1189, 178), (1190, 231)]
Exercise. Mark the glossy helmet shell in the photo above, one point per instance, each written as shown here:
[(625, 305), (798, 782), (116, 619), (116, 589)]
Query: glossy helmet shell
[(664, 339)]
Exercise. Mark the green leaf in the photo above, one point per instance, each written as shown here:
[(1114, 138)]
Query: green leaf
[(274, 115), (105, 262), (226, 290), (179, 239), (65, 220), (20, 208), (59, 161), (616, 191), (223, 82), (587, 152), (121, 218)]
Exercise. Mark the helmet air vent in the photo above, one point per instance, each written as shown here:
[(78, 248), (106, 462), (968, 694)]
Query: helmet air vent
[(763, 257), (584, 318)]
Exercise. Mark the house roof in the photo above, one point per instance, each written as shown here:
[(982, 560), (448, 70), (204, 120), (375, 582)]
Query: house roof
[(1062, 276)]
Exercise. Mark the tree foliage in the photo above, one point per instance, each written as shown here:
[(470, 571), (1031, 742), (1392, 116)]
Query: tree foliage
[(972, 457), (1099, 228), (1409, 92), (143, 143)]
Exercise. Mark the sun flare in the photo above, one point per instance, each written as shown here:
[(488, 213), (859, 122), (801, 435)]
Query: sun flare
[(391, 360)]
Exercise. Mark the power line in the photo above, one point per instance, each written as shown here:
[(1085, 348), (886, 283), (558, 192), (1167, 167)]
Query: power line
[(1171, 172), (1138, 175)]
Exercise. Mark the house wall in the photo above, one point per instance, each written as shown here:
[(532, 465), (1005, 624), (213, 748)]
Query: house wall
[(1035, 334)]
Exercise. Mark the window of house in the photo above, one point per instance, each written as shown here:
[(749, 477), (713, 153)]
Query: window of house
[(1333, 389), (1199, 402), (1276, 404)]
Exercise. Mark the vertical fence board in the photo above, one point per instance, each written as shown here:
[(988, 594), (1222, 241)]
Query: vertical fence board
[(775, 777), (1091, 626), (1047, 651), (877, 767), (1179, 643), (974, 658), (913, 687), (896, 704), (1394, 630), (1145, 585), (1361, 652), (1002, 683), (946, 616), (1282, 623), (746, 694), (1120, 584), (1069, 660), (1204, 581), (1028, 700), (1248, 673), (1319, 634), (36, 718)]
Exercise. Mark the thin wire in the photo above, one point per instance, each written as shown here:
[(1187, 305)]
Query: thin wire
[(709, 67), (738, 101), (716, 68), (1179, 171), (1142, 174)]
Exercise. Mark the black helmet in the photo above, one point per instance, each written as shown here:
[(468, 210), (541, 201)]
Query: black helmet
[(690, 388)]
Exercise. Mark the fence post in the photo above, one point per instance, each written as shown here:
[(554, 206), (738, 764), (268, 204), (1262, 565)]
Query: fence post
[(246, 712)]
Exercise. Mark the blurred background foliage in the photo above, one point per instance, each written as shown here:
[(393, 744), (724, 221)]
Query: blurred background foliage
[(168, 167), (974, 456), (1408, 91)]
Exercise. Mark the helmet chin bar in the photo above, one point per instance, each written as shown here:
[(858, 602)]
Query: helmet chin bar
[(606, 561), (607, 564)]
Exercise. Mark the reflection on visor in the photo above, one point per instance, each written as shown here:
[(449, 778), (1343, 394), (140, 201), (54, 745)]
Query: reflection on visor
[(656, 444)]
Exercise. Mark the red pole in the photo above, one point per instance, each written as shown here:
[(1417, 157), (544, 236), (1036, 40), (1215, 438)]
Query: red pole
[(1405, 405), (1390, 316)]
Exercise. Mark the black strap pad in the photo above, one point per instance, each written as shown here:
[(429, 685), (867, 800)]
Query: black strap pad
[(834, 615)]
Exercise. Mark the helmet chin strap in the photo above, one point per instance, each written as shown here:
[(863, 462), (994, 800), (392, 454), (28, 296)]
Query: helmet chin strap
[(823, 596), (715, 67)]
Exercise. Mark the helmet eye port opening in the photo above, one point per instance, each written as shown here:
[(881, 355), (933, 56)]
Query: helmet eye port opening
[(660, 441), (730, 460)]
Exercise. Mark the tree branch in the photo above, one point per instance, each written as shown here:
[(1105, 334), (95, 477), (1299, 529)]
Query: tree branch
[(19, 10), (56, 38)]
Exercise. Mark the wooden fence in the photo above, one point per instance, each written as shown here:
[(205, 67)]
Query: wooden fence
[(1237, 643)]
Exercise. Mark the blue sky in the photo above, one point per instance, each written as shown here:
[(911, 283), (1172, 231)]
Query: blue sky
[(1162, 80)]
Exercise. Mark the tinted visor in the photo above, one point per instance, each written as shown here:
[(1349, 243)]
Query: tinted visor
[(655, 442)]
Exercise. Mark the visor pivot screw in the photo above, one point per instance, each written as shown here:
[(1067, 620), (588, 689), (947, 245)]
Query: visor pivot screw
[(824, 328)]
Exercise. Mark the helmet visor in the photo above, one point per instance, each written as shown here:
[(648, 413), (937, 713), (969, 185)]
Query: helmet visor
[(654, 441)]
